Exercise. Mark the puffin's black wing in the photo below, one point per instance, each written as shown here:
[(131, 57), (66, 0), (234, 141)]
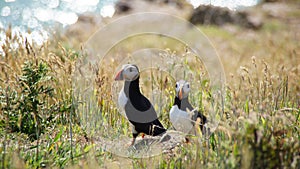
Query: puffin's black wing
[(186, 105), (156, 128), (144, 105), (138, 108), (142, 115), (201, 116)]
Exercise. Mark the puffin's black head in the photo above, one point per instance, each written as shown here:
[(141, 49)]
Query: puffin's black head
[(129, 72), (182, 89)]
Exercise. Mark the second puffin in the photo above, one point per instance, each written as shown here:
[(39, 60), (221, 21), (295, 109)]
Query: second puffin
[(182, 114)]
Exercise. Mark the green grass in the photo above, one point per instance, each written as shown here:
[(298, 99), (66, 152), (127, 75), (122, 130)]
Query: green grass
[(259, 127), (273, 26)]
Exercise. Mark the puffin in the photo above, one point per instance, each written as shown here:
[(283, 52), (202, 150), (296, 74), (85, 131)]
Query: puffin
[(182, 114), (138, 109)]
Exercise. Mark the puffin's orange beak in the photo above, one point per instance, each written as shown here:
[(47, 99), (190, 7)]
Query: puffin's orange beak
[(180, 93), (119, 75)]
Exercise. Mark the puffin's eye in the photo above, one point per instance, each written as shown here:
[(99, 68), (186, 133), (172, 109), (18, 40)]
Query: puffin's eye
[(130, 69), (176, 85), (188, 85)]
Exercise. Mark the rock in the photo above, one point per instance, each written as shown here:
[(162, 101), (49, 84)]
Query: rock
[(122, 7), (212, 15)]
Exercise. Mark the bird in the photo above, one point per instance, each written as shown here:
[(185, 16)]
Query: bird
[(138, 109), (182, 114)]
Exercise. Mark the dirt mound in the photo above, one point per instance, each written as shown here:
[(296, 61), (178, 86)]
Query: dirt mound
[(147, 147)]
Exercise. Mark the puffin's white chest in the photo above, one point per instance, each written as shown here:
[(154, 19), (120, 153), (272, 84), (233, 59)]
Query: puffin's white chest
[(181, 120), (122, 100)]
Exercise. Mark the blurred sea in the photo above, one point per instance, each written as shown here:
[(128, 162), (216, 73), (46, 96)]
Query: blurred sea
[(41, 15), (36, 15)]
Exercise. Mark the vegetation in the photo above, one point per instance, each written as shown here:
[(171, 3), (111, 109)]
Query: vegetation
[(40, 126)]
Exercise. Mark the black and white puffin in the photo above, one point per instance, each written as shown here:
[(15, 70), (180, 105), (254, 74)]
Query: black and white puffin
[(182, 114), (138, 109)]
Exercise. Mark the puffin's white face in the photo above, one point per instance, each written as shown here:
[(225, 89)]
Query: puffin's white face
[(129, 72), (182, 89)]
